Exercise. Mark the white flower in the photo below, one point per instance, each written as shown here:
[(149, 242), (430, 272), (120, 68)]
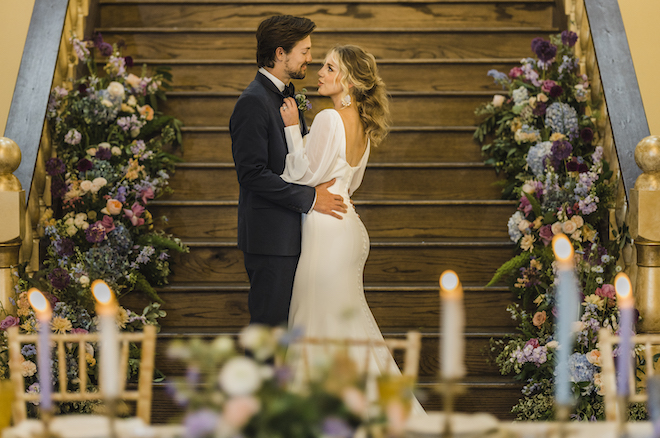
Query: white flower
[(86, 185), (115, 89), (552, 344), (100, 181), (599, 280), (498, 100), (618, 268), (115, 150), (84, 280), (28, 368), (529, 187), (133, 80), (578, 220), (71, 230), (132, 101), (258, 340), (107, 103), (556, 228), (104, 144), (91, 152), (240, 376), (524, 225), (594, 357), (223, 345), (568, 227)]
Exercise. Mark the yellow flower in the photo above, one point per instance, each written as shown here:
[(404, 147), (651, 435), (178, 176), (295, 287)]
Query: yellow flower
[(133, 170), (516, 124), (122, 317), (527, 242), (535, 264), (28, 327), (556, 136), (61, 325), (538, 300), (594, 299), (90, 359), (538, 222), (588, 233), (23, 304)]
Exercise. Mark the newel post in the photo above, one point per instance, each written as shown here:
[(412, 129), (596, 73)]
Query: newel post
[(12, 219), (645, 230)]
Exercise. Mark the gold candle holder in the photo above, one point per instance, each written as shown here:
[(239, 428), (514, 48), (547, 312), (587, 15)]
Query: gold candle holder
[(449, 388)]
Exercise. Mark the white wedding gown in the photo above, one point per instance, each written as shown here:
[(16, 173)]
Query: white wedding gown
[(328, 298)]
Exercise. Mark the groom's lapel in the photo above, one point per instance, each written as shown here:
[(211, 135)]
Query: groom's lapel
[(268, 84)]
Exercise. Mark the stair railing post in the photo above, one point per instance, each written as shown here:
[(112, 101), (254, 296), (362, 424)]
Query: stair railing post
[(12, 231), (645, 230)]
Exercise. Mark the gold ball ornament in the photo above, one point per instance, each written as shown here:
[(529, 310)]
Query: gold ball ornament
[(10, 159), (647, 157)]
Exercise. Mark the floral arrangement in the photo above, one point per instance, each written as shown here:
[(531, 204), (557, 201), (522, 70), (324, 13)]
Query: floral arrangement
[(109, 138), (228, 394), (543, 138), (303, 102)]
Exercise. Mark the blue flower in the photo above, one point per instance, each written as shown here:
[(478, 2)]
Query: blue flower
[(579, 368), (28, 350), (562, 118), (536, 157)]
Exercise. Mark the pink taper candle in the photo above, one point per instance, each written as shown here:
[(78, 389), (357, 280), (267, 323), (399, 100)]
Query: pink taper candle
[(452, 346), (106, 309), (627, 308), (43, 313)]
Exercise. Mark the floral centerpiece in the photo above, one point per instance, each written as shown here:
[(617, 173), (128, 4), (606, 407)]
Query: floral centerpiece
[(109, 138), (542, 137), (228, 394)]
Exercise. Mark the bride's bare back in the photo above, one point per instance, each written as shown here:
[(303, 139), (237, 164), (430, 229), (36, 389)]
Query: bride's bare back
[(356, 140)]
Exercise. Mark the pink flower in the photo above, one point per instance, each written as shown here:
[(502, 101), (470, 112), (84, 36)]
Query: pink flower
[(533, 342), (9, 321), (525, 206), (547, 85), (546, 234), (146, 194), (237, 411), (108, 223), (606, 291), (77, 331), (515, 72), (134, 214)]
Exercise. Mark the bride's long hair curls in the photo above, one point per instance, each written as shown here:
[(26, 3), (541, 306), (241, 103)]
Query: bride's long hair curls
[(359, 68)]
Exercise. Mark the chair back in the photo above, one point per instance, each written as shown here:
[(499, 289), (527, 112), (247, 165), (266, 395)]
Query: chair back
[(142, 396), (410, 345), (638, 393)]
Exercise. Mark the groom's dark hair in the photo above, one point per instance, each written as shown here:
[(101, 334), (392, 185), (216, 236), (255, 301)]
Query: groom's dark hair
[(280, 31)]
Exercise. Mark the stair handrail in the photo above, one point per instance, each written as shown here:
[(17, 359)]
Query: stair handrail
[(48, 57), (627, 143)]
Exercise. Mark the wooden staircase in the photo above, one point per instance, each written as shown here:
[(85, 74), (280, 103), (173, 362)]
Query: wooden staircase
[(427, 199)]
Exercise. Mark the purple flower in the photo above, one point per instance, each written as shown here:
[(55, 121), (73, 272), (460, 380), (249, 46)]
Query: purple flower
[(64, 247), (84, 165), (95, 233), (525, 206), (587, 135), (55, 166), (540, 109), (73, 137), (103, 153), (57, 187), (129, 61), (336, 428), (545, 50), (200, 423), (59, 278), (561, 150), (568, 38), (104, 48), (556, 91), (9, 321)]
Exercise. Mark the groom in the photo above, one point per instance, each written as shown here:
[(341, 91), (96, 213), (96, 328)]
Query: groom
[(269, 209)]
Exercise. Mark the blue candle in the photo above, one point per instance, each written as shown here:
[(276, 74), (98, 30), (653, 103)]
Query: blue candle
[(43, 313), (627, 308), (567, 307)]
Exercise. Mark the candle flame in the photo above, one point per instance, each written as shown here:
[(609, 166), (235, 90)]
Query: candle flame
[(102, 292), (38, 301), (450, 285), (622, 285), (562, 248)]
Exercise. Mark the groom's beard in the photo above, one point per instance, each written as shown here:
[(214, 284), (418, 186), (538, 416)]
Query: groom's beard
[(298, 74)]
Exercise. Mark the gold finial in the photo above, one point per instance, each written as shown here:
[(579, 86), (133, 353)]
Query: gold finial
[(10, 159), (647, 157)]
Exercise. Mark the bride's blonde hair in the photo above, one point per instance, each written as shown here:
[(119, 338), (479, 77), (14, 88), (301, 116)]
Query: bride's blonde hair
[(359, 68)]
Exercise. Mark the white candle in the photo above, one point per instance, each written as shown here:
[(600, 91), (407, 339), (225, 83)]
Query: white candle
[(567, 308), (452, 344), (106, 309), (627, 308), (43, 313)]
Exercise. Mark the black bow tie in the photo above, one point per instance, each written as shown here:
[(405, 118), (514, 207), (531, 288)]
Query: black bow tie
[(289, 90)]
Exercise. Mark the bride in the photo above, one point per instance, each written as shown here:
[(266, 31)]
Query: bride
[(328, 298)]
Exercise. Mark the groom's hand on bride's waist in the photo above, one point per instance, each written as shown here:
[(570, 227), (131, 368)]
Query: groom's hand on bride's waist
[(329, 203)]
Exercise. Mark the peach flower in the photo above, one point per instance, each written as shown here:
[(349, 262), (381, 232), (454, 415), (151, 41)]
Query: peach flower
[(498, 100), (237, 411), (113, 207), (539, 318), (146, 111)]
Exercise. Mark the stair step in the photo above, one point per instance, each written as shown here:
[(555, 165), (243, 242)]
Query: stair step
[(410, 144), (394, 260), (407, 109), (464, 43), (401, 181), (216, 308), (421, 75), (421, 219), (326, 14)]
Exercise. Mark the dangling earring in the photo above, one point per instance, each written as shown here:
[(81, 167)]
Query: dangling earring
[(346, 101)]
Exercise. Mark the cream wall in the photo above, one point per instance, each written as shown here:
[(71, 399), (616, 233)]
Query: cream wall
[(15, 22), (640, 18)]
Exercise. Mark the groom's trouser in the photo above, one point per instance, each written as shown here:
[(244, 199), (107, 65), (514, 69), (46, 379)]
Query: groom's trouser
[(271, 283)]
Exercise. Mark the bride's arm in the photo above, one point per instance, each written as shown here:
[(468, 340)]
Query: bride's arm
[(310, 159)]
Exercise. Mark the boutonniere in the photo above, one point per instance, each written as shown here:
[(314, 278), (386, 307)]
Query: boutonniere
[(301, 99)]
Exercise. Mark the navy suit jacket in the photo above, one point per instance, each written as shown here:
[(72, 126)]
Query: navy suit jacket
[(269, 209)]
